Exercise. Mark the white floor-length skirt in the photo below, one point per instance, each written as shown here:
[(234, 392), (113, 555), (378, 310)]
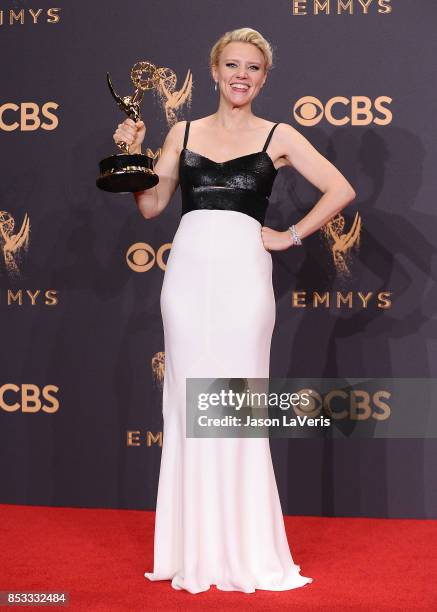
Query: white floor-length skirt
[(218, 516)]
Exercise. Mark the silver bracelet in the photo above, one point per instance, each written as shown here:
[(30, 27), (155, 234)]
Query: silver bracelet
[(295, 236)]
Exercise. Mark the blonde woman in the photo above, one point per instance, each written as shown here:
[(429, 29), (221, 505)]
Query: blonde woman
[(218, 515)]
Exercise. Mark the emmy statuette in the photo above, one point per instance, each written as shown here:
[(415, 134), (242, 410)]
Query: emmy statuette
[(125, 172)]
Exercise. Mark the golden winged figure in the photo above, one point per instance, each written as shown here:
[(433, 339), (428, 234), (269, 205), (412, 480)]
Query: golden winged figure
[(341, 243), (12, 244), (158, 367), (173, 98)]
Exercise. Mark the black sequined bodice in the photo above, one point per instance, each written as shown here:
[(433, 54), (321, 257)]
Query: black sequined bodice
[(243, 184)]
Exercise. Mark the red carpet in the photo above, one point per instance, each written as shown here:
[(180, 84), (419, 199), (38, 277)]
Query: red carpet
[(99, 557)]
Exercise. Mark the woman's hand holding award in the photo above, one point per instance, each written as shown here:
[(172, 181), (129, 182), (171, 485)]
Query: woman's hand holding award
[(130, 172)]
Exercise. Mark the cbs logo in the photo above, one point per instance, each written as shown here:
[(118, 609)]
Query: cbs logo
[(140, 257), (357, 404), (28, 398), (28, 116), (358, 110)]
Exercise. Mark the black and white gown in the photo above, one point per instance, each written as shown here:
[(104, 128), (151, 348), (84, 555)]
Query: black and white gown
[(218, 516)]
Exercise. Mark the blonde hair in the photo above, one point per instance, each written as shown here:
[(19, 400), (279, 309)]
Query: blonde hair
[(247, 35)]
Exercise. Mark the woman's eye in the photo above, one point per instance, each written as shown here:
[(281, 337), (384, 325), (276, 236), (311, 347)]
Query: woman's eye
[(233, 64)]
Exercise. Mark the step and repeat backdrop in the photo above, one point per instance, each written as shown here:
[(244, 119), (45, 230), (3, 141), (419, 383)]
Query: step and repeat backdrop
[(82, 346)]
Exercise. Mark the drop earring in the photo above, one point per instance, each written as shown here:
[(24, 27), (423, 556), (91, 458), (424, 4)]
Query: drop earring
[(215, 86)]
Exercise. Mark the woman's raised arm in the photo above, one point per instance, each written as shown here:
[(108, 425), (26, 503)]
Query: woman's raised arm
[(151, 202)]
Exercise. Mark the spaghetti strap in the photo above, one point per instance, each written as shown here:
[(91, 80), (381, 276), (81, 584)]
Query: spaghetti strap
[(187, 129), (269, 137)]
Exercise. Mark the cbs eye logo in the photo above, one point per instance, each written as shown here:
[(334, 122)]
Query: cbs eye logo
[(358, 110), (141, 257)]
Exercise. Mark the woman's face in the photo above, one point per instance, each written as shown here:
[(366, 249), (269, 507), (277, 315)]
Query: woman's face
[(240, 73)]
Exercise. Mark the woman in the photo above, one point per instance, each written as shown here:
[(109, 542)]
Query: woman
[(218, 514)]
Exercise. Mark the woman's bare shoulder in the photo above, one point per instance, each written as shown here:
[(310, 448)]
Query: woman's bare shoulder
[(202, 120), (264, 124), (286, 129), (176, 133), (178, 128)]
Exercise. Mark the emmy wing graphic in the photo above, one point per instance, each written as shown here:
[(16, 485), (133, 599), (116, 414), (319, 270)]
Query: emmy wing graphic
[(342, 243), (12, 244)]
